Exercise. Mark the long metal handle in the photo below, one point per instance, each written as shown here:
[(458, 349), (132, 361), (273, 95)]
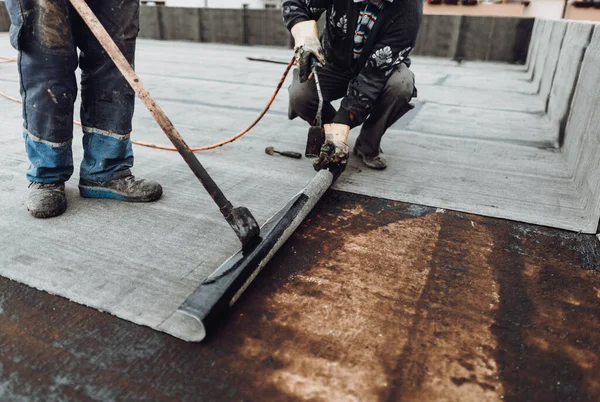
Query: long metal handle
[(319, 119), (159, 115)]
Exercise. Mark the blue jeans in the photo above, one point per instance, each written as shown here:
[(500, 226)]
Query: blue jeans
[(47, 34)]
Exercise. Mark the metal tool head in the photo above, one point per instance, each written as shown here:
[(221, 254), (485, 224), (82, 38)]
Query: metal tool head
[(316, 134), (244, 225), (314, 142)]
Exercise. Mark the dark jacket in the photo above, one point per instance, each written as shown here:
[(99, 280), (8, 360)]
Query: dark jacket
[(389, 44)]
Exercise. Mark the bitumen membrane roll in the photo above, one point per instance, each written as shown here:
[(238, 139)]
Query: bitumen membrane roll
[(210, 301)]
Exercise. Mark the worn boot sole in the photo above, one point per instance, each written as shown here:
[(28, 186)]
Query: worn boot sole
[(99, 192), (46, 215), (366, 163)]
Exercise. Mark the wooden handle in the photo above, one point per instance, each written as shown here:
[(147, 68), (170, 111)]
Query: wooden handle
[(161, 118), (290, 154)]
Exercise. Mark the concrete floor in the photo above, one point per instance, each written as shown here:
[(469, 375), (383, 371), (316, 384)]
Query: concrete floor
[(411, 303)]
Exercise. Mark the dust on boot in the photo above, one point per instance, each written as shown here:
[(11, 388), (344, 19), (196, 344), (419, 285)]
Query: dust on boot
[(46, 200), (125, 188)]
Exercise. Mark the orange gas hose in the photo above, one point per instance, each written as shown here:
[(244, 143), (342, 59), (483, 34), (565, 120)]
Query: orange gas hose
[(197, 149)]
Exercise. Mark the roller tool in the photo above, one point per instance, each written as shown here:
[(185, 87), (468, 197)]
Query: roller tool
[(289, 154), (205, 306), (240, 219)]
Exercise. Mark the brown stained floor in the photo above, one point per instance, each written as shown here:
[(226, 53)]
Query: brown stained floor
[(371, 300)]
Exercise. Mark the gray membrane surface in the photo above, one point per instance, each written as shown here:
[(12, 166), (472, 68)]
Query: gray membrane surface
[(140, 262)]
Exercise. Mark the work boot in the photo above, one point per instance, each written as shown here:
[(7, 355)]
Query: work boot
[(377, 162), (46, 200), (126, 188)]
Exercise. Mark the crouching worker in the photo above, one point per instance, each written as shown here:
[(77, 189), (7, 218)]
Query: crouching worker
[(47, 34), (364, 52)]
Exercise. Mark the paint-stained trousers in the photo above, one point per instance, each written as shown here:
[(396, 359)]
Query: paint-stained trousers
[(393, 103), (48, 34)]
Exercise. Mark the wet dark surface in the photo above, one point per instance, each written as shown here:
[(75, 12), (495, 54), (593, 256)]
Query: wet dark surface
[(370, 300)]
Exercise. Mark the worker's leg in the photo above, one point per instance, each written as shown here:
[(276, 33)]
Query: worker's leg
[(304, 100), (107, 107), (392, 104), (41, 32), (107, 100)]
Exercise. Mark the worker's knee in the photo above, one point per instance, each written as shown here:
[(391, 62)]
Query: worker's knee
[(401, 86), (303, 97)]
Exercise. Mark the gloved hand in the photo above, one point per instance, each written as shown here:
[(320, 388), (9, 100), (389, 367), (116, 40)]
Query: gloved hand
[(334, 153), (307, 47)]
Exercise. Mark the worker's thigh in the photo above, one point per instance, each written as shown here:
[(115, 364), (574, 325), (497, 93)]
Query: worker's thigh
[(304, 98), (107, 98), (41, 31)]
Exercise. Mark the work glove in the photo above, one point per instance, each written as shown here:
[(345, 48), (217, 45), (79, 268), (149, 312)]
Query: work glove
[(307, 48), (334, 152)]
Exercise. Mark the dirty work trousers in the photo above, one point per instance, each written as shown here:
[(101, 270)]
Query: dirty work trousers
[(392, 104), (47, 34)]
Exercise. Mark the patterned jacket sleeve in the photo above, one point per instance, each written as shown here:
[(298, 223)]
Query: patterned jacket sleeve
[(393, 48), (295, 11)]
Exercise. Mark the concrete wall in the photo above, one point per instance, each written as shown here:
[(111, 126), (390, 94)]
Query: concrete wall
[(4, 20), (449, 36), (253, 4), (475, 38), (506, 10), (250, 27)]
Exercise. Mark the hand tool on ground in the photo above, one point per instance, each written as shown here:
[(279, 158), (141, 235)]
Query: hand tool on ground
[(316, 134), (289, 154), (267, 60), (240, 219)]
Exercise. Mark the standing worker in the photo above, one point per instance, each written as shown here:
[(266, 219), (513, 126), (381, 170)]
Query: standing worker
[(364, 52), (47, 34)]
